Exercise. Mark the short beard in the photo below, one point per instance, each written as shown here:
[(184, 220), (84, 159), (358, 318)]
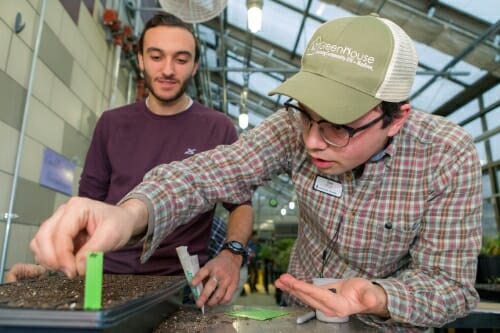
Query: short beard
[(148, 80)]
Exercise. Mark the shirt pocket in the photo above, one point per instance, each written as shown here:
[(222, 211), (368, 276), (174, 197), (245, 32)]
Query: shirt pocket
[(379, 245)]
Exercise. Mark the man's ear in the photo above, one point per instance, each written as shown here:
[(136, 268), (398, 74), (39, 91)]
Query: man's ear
[(195, 68), (140, 60), (398, 122)]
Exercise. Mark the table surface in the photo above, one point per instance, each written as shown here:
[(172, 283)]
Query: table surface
[(284, 324)]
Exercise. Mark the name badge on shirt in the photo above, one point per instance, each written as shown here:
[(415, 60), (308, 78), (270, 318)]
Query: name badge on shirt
[(327, 186)]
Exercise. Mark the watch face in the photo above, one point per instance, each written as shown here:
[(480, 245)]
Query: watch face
[(236, 245)]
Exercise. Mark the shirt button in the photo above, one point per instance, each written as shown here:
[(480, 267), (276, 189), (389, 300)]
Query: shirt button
[(349, 176), (388, 225)]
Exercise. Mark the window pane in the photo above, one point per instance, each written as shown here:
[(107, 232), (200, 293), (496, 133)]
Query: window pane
[(484, 9), (474, 128), (493, 118), (262, 83), (486, 186), (464, 112), (491, 96), (437, 94), (206, 34), (481, 152), (495, 147), (284, 28), (309, 28), (488, 220), (328, 11)]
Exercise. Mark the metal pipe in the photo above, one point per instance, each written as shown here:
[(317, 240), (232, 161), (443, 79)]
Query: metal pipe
[(116, 65), (224, 63), (493, 28), (301, 29), (137, 18), (129, 86), (116, 73), (20, 146), (295, 70)]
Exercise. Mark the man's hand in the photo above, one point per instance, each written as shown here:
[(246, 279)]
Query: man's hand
[(22, 271), (220, 276), (82, 225), (354, 295)]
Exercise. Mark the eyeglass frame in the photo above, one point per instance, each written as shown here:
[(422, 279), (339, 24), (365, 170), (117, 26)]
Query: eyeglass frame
[(350, 130)]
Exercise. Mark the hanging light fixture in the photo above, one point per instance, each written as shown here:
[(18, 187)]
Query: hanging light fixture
[(243, 117), (254, 15)]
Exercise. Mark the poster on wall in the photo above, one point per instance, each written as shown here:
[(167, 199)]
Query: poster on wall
[(58, 172)]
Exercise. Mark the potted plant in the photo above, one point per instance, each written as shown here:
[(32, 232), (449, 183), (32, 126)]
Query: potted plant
[(488, 265)]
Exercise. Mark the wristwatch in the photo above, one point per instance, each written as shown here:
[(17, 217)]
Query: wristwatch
[(236, 248)]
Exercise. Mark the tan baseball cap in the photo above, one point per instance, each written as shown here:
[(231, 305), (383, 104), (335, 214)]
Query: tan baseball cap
[(352, 64)]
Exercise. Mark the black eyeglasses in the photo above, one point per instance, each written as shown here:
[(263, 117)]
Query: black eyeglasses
[(333, 134)]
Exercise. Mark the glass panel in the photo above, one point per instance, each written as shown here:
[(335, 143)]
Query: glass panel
[(437, 94), (280, 24), (474, 128), (419, 81), (254, 119), (237, 13), (495, 144), (211, 58), (488, 219), (481, 152), (492, 96), (327, 11), (473, 75), (431, 57), (464, 112), (262, 83), (486, 186), (310, 27), (493, 118), (235, 77), (206, 34), (233, 110), (485, 9), (283, 28)]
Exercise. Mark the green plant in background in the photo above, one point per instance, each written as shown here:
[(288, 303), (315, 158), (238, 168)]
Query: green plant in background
[(266, 251), (488, 269), (491, 245), (278, 252), (283, 250)]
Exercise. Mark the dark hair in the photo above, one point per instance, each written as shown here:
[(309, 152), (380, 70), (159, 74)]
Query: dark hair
[(391, 110), (169, 20)]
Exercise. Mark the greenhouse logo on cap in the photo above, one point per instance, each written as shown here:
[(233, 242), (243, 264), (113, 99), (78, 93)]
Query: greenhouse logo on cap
[(343, 53)]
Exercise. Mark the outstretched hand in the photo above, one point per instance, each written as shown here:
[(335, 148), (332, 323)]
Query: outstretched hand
[(354, 295), (220, 277), (82, 225)]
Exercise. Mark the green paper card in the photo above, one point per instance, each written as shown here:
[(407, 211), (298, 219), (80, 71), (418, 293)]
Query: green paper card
[(93, 281), (257, 313)]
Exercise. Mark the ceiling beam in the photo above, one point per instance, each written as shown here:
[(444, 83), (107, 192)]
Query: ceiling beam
[(472, 92)]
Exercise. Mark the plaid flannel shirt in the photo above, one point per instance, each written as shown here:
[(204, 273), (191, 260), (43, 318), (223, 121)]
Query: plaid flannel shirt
[(411, 222)]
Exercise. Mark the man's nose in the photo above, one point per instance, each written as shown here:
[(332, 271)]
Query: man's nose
[(313, 138), (168, 67)]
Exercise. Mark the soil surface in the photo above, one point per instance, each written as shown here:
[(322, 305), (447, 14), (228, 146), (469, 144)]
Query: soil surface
[(57, 292), (190, 320)]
